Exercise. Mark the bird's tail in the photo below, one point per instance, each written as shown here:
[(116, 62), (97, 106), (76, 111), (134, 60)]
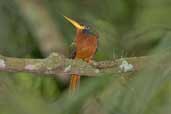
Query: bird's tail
[(74, 83)]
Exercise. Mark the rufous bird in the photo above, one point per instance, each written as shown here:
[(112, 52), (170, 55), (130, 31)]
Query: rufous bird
[(85, 48)]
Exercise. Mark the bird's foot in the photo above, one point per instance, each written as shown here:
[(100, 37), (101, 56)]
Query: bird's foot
[(94, 63)]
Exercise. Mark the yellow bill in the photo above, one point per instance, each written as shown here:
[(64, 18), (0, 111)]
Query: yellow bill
[(76, 24)]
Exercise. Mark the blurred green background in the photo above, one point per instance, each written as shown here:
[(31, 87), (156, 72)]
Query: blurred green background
[(127, 28)]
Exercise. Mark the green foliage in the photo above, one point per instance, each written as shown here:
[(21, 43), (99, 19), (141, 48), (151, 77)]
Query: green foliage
[(125, 27)]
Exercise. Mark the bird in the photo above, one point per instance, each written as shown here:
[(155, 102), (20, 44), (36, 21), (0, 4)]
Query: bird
[(86, 42)]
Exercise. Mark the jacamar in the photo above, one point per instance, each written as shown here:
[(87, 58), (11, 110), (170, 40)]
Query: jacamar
[(85, 47)]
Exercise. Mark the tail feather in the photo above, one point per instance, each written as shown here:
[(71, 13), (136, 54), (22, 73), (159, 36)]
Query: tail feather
[(74, 83)]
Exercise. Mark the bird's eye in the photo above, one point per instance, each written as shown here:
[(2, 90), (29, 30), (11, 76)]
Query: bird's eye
[(87, 27)]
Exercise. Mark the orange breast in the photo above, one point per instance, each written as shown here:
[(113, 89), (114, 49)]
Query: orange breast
[(86, 46)]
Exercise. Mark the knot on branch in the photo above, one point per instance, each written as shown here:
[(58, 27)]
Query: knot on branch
[(54, 61)]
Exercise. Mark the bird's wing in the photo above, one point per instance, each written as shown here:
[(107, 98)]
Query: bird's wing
[(72, 50), (97, 36)]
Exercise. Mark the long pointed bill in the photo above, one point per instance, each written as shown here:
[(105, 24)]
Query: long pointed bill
[(77, 25)]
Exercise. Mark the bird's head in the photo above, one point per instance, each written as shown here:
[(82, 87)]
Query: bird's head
[(85, 29)]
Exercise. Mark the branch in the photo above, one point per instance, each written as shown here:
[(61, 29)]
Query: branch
[(42, 26), (57, 65)]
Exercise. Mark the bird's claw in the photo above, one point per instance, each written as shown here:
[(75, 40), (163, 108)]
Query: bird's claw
[(92, 62)]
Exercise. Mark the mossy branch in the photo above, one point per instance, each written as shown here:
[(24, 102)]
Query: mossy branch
[(56, 65)]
